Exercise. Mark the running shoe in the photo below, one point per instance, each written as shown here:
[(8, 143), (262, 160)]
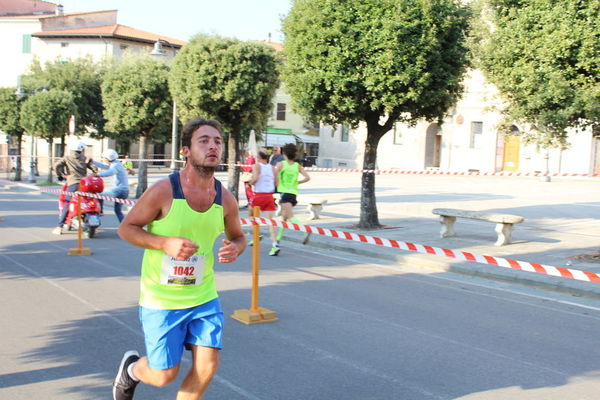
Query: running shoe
[(251, 241), (274, 251), (306, 238), (124, 385)]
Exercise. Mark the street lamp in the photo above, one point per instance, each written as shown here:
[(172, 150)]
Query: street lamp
[(20, 93), (159, 51)]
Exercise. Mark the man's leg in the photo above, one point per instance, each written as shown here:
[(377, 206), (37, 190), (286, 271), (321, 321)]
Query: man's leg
[(154, 377), (134, 370), (65, 211), (205, 362)]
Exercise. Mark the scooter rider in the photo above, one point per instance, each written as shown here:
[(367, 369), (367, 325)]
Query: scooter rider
[(72, 167), (120, 189)]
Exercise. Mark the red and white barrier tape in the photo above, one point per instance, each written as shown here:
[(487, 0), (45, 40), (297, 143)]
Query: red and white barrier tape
[(59, 191), (373, 240), (419, 248), (392, 172)]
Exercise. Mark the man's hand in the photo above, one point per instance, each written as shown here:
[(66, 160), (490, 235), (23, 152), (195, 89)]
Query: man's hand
[(180, 248), (228, 253)]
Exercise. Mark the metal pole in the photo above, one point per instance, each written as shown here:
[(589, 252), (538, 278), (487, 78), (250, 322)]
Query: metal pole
[(546, 177), (174, 141), (32, 163)]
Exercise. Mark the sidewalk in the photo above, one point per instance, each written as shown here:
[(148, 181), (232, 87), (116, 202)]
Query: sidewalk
[(561, 222)]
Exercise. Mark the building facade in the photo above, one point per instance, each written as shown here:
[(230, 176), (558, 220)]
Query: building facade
[(467, 140)]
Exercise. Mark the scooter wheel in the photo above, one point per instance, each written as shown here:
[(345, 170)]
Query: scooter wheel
[(90, 232)]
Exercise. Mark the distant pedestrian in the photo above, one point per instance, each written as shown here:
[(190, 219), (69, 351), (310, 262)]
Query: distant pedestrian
[(276, 156), (128, 164), (72, 167), (264, 181), (247, 163), (120, 189), (288, 172)]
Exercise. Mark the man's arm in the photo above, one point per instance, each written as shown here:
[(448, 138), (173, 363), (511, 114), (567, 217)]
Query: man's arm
[(154, 204), (59, 168), (110, 170), (304, 174), (235, 243), (255, 174)]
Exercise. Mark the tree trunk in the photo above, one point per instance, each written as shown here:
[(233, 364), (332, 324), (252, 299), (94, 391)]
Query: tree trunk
[(233, 156), (143, 168), (18, 166), (369, 218), (50, 158)]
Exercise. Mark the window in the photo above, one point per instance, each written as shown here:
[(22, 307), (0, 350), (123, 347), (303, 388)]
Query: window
[(26, 43), (64, 44), (280, 111), (476, 134), (123, 47), (345, 133)]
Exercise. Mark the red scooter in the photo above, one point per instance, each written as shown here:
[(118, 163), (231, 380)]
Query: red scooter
[(89, 206)]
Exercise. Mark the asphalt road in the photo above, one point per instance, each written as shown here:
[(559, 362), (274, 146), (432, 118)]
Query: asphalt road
[(349, 328)]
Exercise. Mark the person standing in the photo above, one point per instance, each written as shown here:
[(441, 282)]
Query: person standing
[(287, 172), (179, 304), (264, 181), (276, 157), (72, 167), (120, 189), (247, 164)]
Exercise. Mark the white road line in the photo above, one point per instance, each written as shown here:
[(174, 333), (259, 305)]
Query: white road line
[(136, 332)]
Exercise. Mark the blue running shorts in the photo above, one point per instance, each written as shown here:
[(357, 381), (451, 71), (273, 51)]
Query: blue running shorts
[(168, 332)]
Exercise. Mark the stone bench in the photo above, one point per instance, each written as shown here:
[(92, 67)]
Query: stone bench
[(504, 222), (315, 204)]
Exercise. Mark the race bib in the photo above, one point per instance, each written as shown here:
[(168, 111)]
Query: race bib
[(182, 272)]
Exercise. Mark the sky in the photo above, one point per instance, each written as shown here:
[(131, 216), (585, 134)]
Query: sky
[(182, 19)]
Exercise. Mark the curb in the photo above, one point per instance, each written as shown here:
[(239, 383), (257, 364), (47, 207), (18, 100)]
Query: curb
[(442, 264)]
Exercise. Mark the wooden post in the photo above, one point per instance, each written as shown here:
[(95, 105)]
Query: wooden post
[(79, 251), (256, 314)]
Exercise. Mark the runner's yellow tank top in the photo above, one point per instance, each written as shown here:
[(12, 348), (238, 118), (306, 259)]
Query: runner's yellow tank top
[(170, 284), (288, 178)]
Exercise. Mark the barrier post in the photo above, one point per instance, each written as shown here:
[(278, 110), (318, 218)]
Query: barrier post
[(256, 314), (79, 250)]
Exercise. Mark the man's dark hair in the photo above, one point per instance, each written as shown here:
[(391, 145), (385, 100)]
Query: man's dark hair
[(193, 124), (290, 151), (263, 155)]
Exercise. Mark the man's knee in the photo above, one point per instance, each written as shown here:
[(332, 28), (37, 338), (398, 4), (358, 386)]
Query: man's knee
[(164, 377)]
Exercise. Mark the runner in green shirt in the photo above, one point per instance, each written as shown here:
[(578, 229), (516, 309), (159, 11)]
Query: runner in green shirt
[(287, 172)]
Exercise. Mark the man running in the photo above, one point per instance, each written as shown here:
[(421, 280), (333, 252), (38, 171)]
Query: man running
[(264, 181), (287, 172), (179, 305)]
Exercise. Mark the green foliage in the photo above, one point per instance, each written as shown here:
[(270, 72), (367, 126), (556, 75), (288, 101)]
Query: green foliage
[(10, 106), (380, 62), (226, 79), (346, 59), (544, 57), (136, 99), (46, 114), (82, 77)]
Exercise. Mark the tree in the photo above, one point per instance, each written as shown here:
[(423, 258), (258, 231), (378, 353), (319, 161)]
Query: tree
[(137, 104), (379, 62), (46, 114), (82, 77), (544, 57), (229, 80), (10, 122)]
